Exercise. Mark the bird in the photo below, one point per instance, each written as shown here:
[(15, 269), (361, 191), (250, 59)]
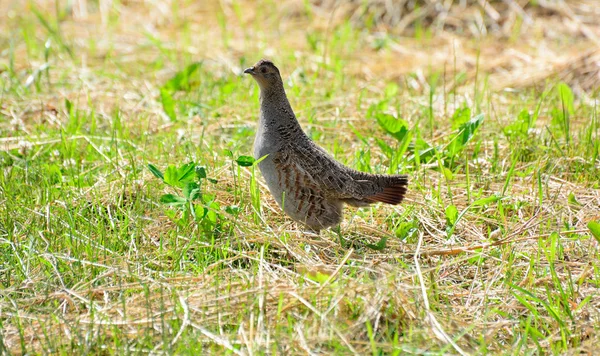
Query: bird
[(308, 184)]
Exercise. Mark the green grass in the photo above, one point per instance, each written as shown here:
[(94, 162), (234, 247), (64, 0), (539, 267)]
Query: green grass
[(100, 254)]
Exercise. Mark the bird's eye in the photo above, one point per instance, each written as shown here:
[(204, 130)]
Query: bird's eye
[(263, 70)]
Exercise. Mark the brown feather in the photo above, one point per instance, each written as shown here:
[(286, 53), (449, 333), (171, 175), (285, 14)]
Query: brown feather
[(390, 195)]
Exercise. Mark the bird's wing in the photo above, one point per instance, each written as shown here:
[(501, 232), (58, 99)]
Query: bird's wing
[(313, 166)]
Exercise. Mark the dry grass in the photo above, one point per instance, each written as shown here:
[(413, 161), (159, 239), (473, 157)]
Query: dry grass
[(94, 264)]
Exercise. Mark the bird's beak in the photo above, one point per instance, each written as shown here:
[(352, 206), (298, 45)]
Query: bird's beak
[(249, 70)]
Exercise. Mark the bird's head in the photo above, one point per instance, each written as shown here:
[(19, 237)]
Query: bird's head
[(265, 73)]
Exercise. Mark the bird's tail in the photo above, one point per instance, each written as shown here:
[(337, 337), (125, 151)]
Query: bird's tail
[(394, 189)]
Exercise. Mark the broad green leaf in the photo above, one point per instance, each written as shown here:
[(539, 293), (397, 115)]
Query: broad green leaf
[(465, 133), (245, 161), (200, 212), (171, 176), (405, 230), (179, 177), (594, 227), (451, 214), (212, 209), (200, 172), (395, 127), (232, 209), (168, 104), (208, 198), (460, 117), (191, 191), (181, 80), (157, 173), (424, 150), (186, 172), (171, 199)]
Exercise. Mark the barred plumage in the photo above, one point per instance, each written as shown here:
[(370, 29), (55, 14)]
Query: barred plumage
[(309, 185)]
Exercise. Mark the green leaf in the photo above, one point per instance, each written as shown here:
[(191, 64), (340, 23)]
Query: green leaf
[(201, 172), (424, 151), (228, 88), (171, 199), (521, 125), (181, 80), (317, 277), (232, 209), (485, 201), (54, 174), (379, 245), (451, 214), (391, 90), (447, 173), (200, 212), (594, 227), (573, 200), (212, 209), (395, 127), (460, 117), (405, 230), (171, 176), (68, 106), (157, 173), (168, 104), (208, 198), (186, 172), (566, 97), (245, 161), (465, 133), (191, 191), (179, 177)]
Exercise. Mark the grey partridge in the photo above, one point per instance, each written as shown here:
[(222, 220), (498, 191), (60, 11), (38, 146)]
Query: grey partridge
[(306, 182)]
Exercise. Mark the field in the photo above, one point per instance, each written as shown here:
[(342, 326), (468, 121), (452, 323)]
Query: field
[(132, 220)]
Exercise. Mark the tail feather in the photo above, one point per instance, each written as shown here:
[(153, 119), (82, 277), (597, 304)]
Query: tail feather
[(390, 195), (394, 189), (393, 192)]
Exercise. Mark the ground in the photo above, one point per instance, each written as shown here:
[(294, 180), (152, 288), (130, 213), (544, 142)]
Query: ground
[(133, 220)]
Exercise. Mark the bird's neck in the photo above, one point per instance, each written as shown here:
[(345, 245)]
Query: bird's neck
[(275, 109)]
